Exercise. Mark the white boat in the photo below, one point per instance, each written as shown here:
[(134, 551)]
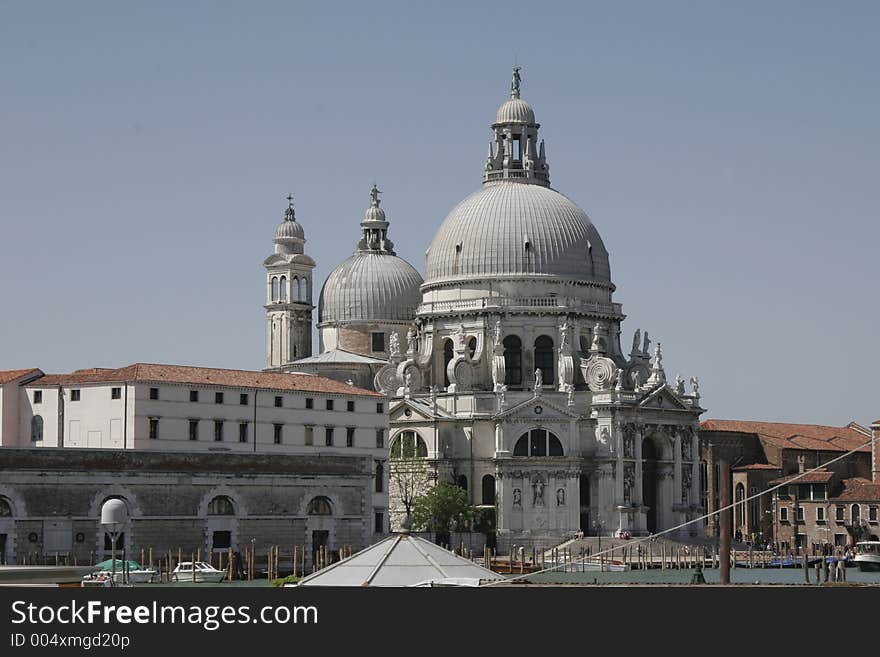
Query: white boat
[(139, 576), (867, 555), (201, 572)]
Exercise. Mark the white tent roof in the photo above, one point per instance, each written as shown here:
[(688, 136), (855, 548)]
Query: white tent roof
[(401, 560)]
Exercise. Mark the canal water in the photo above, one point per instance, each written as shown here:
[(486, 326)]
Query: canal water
[(790, 576)]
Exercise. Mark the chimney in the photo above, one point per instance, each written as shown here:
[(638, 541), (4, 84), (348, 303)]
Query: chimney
[(875, 462)]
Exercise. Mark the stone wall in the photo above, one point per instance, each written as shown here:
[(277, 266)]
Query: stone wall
[(55, 497)]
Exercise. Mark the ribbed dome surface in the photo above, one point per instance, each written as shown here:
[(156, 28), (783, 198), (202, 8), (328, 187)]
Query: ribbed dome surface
[(515, 110), (370, 287), (493, 224), (289, 229), (374, 214)]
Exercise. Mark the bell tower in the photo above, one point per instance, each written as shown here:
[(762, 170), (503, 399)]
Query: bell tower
[(288, 294)]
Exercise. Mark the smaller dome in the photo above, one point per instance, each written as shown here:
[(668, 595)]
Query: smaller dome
[(374, 213), (289, 228), (515, 110)]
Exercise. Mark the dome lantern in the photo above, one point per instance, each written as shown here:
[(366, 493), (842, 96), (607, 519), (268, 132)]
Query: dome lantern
[(512, 153)]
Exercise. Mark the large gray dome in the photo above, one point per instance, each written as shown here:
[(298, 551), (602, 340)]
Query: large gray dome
[(370, 287), (510, 228)]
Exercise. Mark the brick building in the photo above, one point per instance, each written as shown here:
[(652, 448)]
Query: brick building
[(761, 455)]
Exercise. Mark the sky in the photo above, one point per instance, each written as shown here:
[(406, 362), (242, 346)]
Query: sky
[(726, 152)]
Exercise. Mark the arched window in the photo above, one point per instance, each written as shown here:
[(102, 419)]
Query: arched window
[(488, 489), (36, 428), (295, 289), (274, 288), (461, 482), (855, 514), (320, 506), (512, 361), (304, 289), (283, 289), (472, 347), (544, 358), (448, 355), (408, 445), (538, 442), (380, 477), (5, 509), (221, 506), (740, 497)]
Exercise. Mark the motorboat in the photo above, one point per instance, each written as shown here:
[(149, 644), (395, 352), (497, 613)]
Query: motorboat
[(867, 555), (133, 573), (198, 571)]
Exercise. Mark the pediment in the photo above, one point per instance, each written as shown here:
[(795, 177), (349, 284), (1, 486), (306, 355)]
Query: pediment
[(662, 398), (418, 411), (536, 407)]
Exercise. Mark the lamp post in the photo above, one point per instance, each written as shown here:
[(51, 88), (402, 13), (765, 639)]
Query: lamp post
[(113, 517)]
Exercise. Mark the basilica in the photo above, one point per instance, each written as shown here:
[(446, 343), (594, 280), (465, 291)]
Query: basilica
[(504, 368)]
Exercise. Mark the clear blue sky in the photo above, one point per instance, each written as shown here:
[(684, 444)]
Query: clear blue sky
[(727, 153)]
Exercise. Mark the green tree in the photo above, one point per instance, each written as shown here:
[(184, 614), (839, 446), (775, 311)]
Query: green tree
[(440, 508)]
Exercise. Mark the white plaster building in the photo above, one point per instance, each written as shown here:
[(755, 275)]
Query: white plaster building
[(172, 408)]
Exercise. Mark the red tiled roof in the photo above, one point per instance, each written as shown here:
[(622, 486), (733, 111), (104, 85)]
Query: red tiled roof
[(11, 375), (814, 437), (858, 489), (817, 477), (153, 373), (757, 466)]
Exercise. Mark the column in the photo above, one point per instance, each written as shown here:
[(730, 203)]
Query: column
[(637, 494), (695, 468), (676, 467)]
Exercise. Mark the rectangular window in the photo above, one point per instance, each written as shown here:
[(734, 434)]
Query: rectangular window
[(218, 431), (218, 397), (838, 513), (800, 514), (193, 429), (38, 396), (349, 406), (154, 428), (379, 522), (840, 540), (242, 432), (783, 491), (194, 395), (329, 404), (820, 514), (783, 514), (378, 341), (74, 395), (310, 435), (380, 438), (328, 436), (872, 514), (279, 428), (243, 399), (349, 437), (154, 393), (115, 393), (310, 403), (380, 407), (279, 401)]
